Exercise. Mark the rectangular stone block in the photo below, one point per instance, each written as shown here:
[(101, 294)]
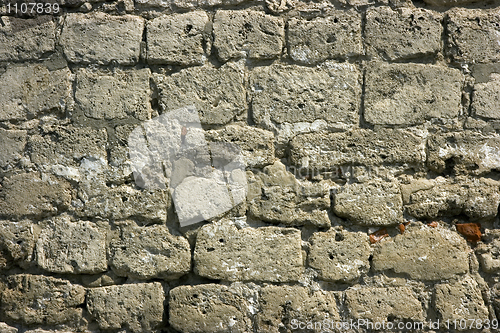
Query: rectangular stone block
[(209, 308), (42, 300), (335, 36), (71, 247), (26, 39), (486, 98), (409, 94), (404, 33), (328, 151), (289, 94), (265, 254), (247, 33), (101, 38), (30, 90), (139, 307), (473, 35), (217, 94), (118, 96), (17, 242), (179, 39), (12, 144)]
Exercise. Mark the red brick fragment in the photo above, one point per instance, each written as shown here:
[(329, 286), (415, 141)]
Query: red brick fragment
[(378, 235), (471, 231), (402, 227), (433, 224)]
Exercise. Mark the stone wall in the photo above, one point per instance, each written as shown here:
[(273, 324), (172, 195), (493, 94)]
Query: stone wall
[(369, 135)]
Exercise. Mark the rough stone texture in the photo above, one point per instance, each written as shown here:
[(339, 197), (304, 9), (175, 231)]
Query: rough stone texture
[(252, 34), (29, 195), (12, 144), (331, 150), (17, 241), (101, 38), (373, 203), (178, 39), (489, 251), (119, 96), (384, 304), (26, 39), (339, 255), (7, 329), (137, 307), (336, 36), (460, 300), (71, 247), (449, 2), (423, 254), (283, 93), (403, 34), (28, 91), (35, 299), (265, 254), (280, 305), (486, 98), (217, 94), (473, 35), (208, 308), (275, 195), (408, 94), (149, 252)]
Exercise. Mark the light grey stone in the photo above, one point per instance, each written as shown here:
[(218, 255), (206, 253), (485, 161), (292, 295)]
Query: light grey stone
[(486, 98), (264, 254), (26, 39), (139, 307), (17, 242), (247, 33), (373, 203), (12, 144), (488, 251), (101, 38), (284, 93), (425, 254), (336, 36), (195, 4), (409, 94), (179, 39), (339, 255)]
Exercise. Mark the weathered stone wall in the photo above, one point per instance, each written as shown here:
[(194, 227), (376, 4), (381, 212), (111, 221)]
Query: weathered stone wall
[(370, 134)]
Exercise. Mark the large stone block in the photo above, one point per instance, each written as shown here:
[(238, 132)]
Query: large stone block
[(29, 195), (149, 252), (26, 39), (425, 254), (30, 90), (17, 242), (318, 151), (473, 35), (284, 307), (384, 304), (264, 254), (409, 94), (276, 196), (118, 96), (217, 94), (486, 98), (339, 255), (373, 203), (139, 307), (179, 39), (209, 308), (247, 33), (36, 299), (101, 38), (335, 36), (289, 94), (403, 33), (12, 144), (71, 247)]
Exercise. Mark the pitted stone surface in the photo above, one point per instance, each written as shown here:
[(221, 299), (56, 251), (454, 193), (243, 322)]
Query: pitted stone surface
[(26, 39), (178, 39), (284, 93), (425, 254), (339, 255), (149, 252), (404, 33), (488, 251), (486, 98), (252, 34), (101, 38), (373, 203), (17, 242), (409, 94), (265, 254), (12, 144), (336, 36), (37, 299), (138, 307)]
